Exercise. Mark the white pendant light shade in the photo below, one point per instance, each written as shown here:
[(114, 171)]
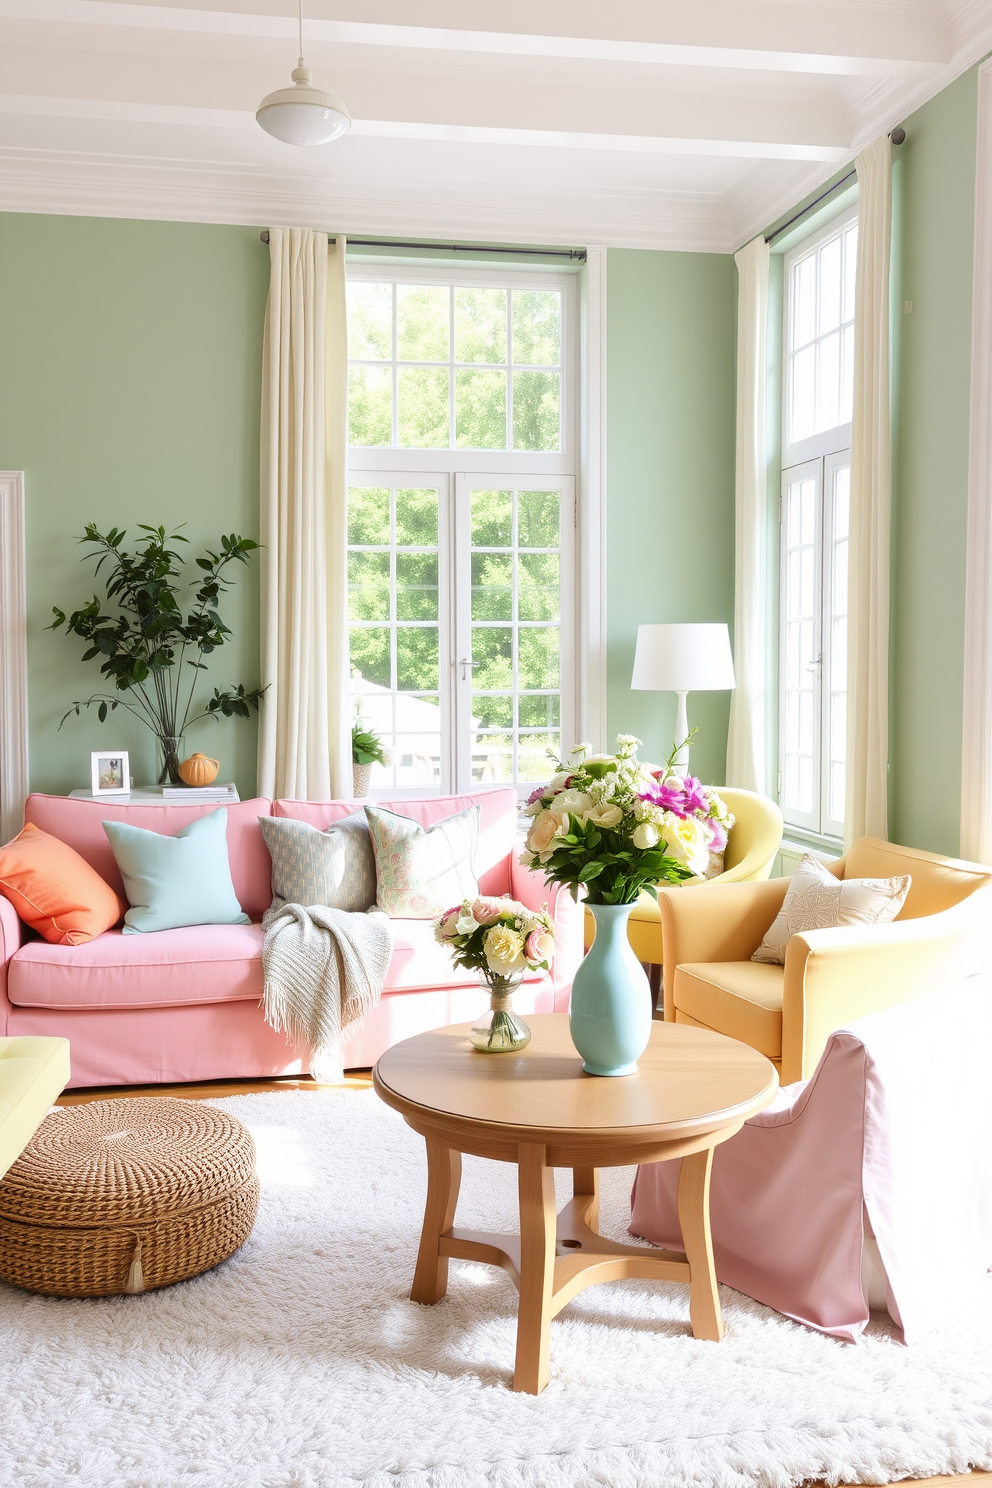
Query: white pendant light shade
[(303, 115)]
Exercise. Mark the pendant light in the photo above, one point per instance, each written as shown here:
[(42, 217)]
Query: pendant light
[(303, 115)]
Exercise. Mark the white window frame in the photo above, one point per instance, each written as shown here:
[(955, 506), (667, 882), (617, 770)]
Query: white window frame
[(455, 470), (822, 455)]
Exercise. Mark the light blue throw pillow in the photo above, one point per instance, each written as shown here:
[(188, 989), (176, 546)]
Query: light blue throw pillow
[(176, 881)]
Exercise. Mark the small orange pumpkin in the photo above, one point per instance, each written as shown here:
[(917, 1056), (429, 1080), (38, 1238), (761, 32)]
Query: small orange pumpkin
[(198, 770)]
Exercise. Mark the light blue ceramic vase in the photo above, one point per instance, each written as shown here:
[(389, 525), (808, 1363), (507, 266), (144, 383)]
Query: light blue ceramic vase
[(610, 1017)]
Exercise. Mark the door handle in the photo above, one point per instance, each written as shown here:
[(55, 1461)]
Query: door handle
[(466, 666)]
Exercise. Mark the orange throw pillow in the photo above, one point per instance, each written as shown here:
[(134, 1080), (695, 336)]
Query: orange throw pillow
[(54, 890)]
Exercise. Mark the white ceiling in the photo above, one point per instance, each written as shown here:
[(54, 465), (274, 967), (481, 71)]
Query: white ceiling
[(648, 123)]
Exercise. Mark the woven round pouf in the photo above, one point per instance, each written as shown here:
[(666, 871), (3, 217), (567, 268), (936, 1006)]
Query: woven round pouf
[(125, 1196)]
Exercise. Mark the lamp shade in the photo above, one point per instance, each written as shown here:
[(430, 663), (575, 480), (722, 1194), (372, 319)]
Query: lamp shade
[(683, 658), (303, 114)]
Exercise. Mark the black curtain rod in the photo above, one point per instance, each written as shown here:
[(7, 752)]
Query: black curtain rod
[(575, 255), (897, 136)]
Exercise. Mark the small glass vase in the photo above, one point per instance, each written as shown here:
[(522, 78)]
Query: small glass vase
[(173, 749), (499, 1030)]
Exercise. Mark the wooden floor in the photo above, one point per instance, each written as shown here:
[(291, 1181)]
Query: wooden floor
[(360, 1080)]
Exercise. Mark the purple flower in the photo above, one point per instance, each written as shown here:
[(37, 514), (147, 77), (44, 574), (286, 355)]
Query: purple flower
[(718, 835), (697, 802), (536, 795), (669, 796)]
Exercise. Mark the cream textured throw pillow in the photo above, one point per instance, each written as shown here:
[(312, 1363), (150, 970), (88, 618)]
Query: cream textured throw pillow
[(419, 873), (817, 901)]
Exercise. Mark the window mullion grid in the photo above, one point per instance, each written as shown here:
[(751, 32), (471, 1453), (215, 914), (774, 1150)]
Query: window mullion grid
[(394, 370), (509, 375), (452, 442)]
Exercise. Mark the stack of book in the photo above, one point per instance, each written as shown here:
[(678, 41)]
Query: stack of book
[(218, 791)]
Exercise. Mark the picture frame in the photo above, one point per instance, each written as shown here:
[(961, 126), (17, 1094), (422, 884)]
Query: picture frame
[(110, 772)]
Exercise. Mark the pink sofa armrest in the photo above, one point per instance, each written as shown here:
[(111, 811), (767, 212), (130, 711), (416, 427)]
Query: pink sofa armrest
[(10, 939), (531, 889)]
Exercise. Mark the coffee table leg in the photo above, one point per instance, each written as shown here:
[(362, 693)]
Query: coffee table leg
[(538, 1231), (444, 1176), (585, 1185), (694, 1218)]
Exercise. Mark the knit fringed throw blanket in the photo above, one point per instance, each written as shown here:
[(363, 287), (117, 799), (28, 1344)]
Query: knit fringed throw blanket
[(323, 970)]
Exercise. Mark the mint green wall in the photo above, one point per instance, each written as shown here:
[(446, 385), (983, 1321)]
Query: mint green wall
[(933, 226), (129, 392), (671, 328)]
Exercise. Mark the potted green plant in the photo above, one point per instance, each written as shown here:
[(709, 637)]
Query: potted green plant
[(151, 645), (366, 750)]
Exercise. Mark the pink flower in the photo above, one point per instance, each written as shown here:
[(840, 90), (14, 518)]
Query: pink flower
[(447, 922), (697, 801), (718, 835), (539, 946), (486, 911), (536, 795), (669, 796)]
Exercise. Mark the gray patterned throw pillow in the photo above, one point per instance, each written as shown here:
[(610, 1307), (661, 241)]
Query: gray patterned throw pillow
[(335, 867)]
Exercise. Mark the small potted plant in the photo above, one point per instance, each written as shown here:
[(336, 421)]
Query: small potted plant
[(366, 750)]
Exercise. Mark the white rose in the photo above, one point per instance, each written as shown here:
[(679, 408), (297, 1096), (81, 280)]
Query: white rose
[(605, 816), (504, 950), (646, 835), (570, 803), (466, 924), (688, 842)]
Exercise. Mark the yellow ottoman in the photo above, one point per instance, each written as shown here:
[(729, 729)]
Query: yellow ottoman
[(33, 1073)]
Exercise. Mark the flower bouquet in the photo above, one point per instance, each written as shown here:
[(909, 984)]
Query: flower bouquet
[(614, 826), (500, 939)]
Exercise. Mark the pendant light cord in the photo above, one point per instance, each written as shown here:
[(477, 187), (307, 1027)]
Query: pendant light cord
[(301, 33)]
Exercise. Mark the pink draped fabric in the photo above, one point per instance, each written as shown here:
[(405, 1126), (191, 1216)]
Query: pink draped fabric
[(895, 1125)]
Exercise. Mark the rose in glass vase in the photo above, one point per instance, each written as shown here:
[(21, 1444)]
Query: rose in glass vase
[(499, 939)]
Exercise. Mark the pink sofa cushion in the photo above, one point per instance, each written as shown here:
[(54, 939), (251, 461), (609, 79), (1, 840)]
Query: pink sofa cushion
[(418, 962), (80, 824), (201, 963), (497, 825)]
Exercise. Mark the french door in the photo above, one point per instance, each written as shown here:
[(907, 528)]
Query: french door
[(462, 625)]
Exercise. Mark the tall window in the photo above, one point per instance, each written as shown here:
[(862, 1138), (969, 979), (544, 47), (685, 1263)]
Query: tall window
[(816, 480), (461, 521)]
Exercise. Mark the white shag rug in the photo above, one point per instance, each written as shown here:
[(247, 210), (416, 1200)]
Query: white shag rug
[(301, 1363)]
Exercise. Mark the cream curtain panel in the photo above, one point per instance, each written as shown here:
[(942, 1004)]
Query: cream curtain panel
[(866, 810), (746, 748), (305, 731)]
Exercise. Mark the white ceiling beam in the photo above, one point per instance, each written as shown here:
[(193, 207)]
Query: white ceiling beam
[(764, 37), (218, 118)]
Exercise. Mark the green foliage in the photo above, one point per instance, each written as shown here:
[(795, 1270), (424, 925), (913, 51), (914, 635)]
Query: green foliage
[(608, 865), (366, 747), (146, 641)]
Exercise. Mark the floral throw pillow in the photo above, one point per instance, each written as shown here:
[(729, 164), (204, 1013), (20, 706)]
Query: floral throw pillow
[(815, 900), (421, 872)]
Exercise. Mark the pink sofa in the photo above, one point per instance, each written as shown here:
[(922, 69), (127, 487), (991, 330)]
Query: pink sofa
[(181, 1005)]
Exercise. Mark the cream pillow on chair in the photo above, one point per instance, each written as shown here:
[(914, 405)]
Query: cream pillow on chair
[(815, 900)]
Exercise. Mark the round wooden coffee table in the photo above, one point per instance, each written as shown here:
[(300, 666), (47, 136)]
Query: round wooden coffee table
[(692, 1090)]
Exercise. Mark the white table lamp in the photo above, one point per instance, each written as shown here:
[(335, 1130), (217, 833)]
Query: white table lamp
[(682, 659)]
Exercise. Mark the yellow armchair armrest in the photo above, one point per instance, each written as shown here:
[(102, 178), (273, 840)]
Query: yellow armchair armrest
[(834, 976)]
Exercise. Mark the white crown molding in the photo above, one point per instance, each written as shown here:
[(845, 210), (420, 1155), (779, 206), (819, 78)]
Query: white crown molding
[(976, 751), (64, 184), (13, 656)]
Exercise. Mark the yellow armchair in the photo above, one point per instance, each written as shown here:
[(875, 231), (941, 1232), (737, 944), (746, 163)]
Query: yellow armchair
[(33, 1073), (752, 844), (830, 976)]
